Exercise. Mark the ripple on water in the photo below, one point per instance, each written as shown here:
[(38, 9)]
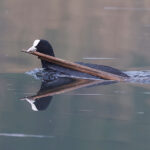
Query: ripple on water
[(142, 77), (98, 58), (21, 135)]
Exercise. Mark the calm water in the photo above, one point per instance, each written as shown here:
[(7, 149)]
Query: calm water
[(114, 33)]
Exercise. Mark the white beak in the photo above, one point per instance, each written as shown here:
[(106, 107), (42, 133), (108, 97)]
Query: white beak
[(31, 49)]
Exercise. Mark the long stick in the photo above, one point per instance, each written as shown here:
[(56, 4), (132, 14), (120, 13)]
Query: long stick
[(78, 67)]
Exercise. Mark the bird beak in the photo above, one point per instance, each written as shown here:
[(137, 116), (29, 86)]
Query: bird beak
[(31, 49)]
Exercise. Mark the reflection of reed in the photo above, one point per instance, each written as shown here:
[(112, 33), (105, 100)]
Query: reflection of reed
[(44, 96), (76, 84)]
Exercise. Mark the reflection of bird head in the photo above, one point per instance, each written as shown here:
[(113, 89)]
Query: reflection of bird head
[(40, 103), (44, 47)]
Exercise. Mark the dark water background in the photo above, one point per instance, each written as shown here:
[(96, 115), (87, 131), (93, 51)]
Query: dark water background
[(114, 116)]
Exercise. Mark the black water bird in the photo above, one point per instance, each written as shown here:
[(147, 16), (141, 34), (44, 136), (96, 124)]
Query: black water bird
[(43, 46)]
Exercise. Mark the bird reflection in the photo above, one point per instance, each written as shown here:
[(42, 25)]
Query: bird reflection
[(43, 98)]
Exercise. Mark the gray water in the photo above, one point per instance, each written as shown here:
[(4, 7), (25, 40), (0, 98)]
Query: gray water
[(104, 116)]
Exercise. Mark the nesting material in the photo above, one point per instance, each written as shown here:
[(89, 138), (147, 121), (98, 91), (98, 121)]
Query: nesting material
[(78, 67)]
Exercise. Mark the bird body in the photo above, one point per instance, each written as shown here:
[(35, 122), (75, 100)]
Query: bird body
[(43, 46)]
